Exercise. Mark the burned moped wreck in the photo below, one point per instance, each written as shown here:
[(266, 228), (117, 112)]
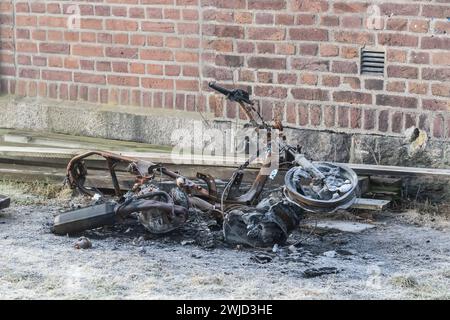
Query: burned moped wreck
[(246, 216)]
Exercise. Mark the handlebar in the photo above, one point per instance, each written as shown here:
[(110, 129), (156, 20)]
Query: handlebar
[(237, 95)]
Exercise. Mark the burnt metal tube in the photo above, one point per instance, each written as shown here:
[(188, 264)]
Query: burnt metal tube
[(143, 205)]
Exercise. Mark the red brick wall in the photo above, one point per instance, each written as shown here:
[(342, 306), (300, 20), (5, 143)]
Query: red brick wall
[(299, 57)]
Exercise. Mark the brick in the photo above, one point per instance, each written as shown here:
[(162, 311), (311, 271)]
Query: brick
[(343, 117), (352, 7), (236, 32), (264, 18), (264, 77), (315, 113), (155, 69), (54, 22), (329, 115), (396, 55), (310, 64), (310, 94), (419, 26), (120, 66), (383, 121), (157, 83), (121, 52), (440, 89), (410, 120), (285, 19), (103, 66), (351, 22), (229, 60), (285, 49), (354, 82), (244, 18), (265, 48), (55, 62), (303, 115), (396, 101), (331, 81), (329, 21), (309, 49), (397, 122), (291, 113), (436, 105), (435, 43), (309, 79), (266, 4), (29, 73), (26, 21), (344, 67), (315, 6), (59, 48), (71, 63), (442, 27), (156, 54), (22, 60), (274, 34), (441, 58), (119, 11), (26, 47), (396, 86), (441, 74), (438, 126), (436, 11), (271, 91), (121, 25), (398, 9), (89, 78), (22, 7), (349, 52), (419, 57), (403, 72), (87, 51), (369, 119), (329, 50), (305, 19), (56, 75), (361, 38), (308, 34), (267, 63), (355, 118), (94, 24), (287, 78), (374, 84), (397, 24), (128, 81), (187, 85), (397, 40), (352, 97)]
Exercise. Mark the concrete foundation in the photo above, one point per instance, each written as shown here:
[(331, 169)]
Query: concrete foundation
[(167, 127)]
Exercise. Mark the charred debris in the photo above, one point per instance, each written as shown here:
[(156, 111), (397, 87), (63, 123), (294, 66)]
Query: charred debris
[(163, 200)]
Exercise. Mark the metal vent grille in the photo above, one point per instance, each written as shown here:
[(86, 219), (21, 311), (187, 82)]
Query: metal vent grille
[(372, 62)]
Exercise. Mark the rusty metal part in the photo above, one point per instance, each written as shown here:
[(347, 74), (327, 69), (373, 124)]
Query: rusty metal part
[(95, 216), (344, 201), (4, 202), (144, 171), (210, 182)]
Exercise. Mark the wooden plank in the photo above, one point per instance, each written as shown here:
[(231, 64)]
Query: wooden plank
[(367, 169), (370, 204)]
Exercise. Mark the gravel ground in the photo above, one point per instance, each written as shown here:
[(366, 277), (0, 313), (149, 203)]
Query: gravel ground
[(399, 259)]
